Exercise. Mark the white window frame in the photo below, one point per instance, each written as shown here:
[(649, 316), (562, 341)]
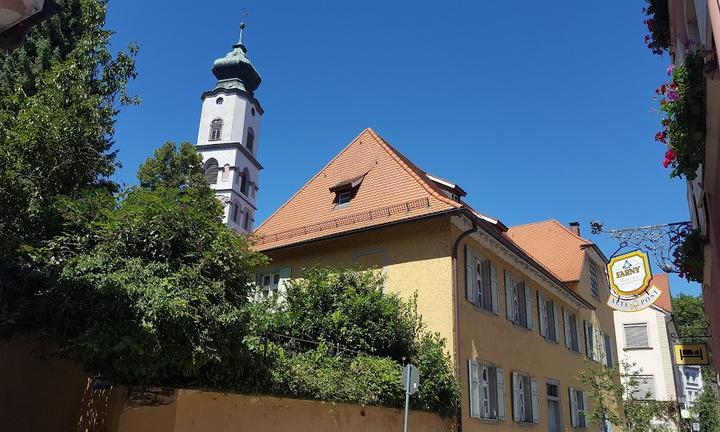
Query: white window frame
[(573, 341), (548, 320), (487, 391), (647, 335), (481, 281), (578, 407), (277, 280), (519, 301), (525, 398)]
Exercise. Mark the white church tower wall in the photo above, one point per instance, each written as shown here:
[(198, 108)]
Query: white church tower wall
[(228, 136)]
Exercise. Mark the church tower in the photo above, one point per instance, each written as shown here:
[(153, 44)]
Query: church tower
[(228, 136)]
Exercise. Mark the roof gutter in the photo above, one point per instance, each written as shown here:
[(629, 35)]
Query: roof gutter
[(527, 258), (456, 312)]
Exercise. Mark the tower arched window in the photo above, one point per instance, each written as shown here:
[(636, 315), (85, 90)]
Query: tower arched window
[(244, 181), (250, 141), (216, 130), (211, 171), (248, 220)]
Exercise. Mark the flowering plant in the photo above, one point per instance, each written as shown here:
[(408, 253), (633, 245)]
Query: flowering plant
[(658, 24), (682, 104), (689, 257)]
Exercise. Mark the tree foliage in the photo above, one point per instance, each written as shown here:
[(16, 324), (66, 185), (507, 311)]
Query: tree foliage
[(619, 402), (149, 287), (59, 95), (360, 339), (689, 317), (706, 404)]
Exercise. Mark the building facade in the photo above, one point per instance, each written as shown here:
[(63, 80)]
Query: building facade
[(696, 24), (645, 347), (517, 332), (228, 137)]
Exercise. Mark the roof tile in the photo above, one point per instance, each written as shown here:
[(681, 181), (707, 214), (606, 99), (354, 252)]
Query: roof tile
[(392, 189)]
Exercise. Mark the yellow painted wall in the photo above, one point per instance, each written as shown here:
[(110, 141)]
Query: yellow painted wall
[(200, 411), (495, 339), (417, 259)]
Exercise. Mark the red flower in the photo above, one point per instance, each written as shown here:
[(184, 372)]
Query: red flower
[(670, 155), (666, 163), (660, 136), (650, 24)]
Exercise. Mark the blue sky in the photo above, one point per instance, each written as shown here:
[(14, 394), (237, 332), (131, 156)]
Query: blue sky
[(538, 109)]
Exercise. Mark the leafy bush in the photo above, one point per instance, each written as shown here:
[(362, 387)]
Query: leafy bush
[(345, 307), (149, 287), (364, 337)]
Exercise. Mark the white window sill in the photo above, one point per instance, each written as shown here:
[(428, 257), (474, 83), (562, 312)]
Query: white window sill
[(486, 420), (483, 310)]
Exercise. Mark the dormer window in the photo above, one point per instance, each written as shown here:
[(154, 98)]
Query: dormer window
[(345, 191), (216, 130), (344, 197)]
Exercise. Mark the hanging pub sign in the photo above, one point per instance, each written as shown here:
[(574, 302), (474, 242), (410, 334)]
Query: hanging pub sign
[(630, 277)]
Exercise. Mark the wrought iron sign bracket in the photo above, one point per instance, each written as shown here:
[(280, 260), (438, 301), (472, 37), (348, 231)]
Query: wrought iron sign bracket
[(660, 241)]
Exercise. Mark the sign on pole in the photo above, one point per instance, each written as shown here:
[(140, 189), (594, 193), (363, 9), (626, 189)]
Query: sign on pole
[(691, 354), (411, 382), (629, 277)]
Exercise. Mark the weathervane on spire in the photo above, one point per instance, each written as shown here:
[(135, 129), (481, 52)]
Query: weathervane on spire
[(244, 15)]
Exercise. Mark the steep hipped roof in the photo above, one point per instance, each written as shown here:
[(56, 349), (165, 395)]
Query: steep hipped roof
[(552, 244), (391, 188), (661, 281)]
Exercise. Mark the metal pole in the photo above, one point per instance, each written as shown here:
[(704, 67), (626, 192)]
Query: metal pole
[(407, 398)]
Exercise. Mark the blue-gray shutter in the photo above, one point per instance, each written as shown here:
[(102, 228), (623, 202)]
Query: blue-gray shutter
[(470, 291)]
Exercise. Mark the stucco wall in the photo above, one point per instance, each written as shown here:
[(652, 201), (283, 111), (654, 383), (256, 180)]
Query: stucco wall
[(656, 360), (199, 411), (416, 258), (41, 392), (493, 338)]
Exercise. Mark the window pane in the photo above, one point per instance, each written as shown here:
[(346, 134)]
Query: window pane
[(636, 336)]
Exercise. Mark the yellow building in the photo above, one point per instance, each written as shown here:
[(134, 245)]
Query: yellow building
[(521, 308)]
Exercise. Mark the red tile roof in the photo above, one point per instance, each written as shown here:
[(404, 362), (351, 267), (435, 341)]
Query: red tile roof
[(392, 189), (554, 245), (661, 281)]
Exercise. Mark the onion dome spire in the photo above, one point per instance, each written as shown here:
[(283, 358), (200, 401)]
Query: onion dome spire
[(235, 70)]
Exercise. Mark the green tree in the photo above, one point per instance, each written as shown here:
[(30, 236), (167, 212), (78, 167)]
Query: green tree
[(59, 95), (149, 287), (706, 404), (620, 403), (689, 317)]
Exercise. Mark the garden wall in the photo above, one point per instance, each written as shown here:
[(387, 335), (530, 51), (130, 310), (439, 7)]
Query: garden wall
[(196, 411)]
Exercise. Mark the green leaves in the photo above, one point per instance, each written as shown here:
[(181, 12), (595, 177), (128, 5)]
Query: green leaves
[(616, 399), (59, 94), (347, 308), (149, 287)]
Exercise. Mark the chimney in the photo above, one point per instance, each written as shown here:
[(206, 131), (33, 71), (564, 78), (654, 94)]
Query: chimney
[(575, 227)]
